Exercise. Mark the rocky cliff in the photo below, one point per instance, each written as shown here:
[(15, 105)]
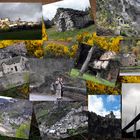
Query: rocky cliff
[(17, 49), (122, 16), (102, 127)]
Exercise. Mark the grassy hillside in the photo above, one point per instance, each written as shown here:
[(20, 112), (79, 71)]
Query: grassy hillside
[(89, 77), (55, 35)]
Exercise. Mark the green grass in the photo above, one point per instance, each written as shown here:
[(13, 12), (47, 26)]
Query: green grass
[(89, 77), (22, 35), (55, 35), (129, 67)]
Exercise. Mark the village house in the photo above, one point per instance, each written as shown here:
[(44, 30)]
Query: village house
[(69, 19), (108, 55), (106, 66), (13, 65), (6, 23), (129, 59)]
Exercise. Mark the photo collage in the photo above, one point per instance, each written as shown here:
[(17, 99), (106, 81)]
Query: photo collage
[(70, 70)]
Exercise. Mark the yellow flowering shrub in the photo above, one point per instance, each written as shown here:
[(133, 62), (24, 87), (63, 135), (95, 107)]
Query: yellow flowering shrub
[(129, 79), (94, 88), (5, 43), (60, 50), (73, 51), (24, 89), (35, 48), (69, 39), (106, 43), (44, 34), (57, 50)]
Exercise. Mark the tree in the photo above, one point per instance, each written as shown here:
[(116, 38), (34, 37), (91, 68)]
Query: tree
[(85, 65)]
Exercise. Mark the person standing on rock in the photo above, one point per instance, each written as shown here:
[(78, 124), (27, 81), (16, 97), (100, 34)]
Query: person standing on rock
[(59, 85)]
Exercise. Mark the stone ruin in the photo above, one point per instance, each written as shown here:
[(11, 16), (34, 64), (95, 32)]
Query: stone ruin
[(129, 59), (69, 19), (103, 64)]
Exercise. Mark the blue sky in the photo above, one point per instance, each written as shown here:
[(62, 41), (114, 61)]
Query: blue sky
[(103, 104), (49, 10)]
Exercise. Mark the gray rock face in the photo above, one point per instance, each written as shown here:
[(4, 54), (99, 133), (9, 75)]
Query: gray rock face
[(69, 19), (17, 49), (103, 127), (124, 13)]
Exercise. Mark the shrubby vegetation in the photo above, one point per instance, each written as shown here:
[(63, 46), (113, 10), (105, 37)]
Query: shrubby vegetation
[(94, 88), (107, 43), (23, 131), (60, 50)]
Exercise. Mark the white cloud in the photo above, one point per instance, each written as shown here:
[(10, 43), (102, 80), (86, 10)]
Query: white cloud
[(95, 104), (49, 10), (117, 113), (111, 98)]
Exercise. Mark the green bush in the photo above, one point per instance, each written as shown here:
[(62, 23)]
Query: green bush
[(23, 131)]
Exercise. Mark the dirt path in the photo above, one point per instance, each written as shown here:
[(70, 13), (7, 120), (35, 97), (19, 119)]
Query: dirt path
[(43, 97)]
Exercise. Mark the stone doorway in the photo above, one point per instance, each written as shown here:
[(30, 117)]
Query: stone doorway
[(63, 25)]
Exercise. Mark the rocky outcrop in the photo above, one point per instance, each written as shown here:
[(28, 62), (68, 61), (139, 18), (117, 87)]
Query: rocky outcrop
[(17, 49), (69, 19), (102, 127), (124, 15)]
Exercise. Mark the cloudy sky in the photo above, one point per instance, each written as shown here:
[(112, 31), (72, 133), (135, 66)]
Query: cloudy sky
[(130, 101), (49, 10), (25, 11), (103, 104)]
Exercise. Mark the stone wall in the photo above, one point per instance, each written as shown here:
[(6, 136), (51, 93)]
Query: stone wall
[(69, 19), (121, 14)]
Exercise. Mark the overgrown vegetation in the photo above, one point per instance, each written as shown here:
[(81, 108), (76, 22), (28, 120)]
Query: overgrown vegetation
[(68, 35)]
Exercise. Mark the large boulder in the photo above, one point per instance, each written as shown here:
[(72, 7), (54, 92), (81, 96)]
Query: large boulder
[(123, 13), (17, 49)]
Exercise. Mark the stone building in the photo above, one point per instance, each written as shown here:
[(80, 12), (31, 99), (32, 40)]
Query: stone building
[(103, 64), (129, 59), (69, 19), (13, 65), (106, 66)]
